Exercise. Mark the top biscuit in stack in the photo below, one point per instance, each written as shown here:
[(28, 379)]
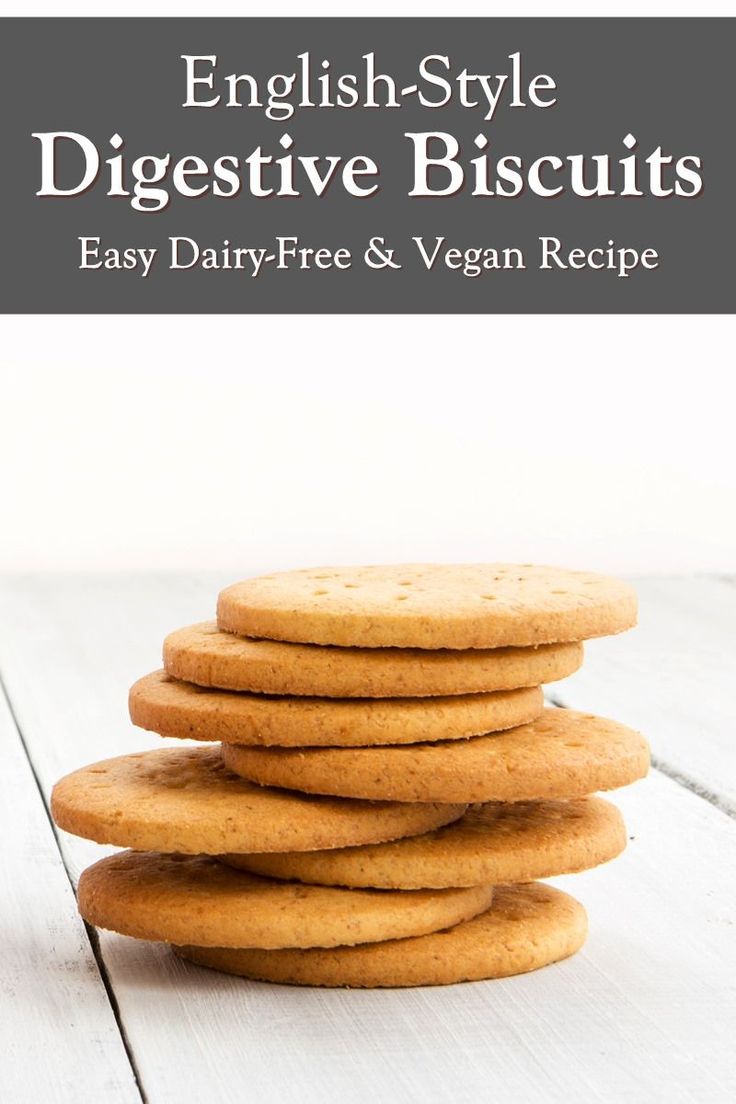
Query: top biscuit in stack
[(429, 606)]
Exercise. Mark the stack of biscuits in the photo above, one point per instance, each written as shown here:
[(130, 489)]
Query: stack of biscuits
[(375, 788)]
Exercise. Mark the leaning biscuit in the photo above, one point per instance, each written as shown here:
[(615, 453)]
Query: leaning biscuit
[(492, 844), (180, 709), (203, 655), (190, 899), (564, 754), (185, 799), (528, 926), (429, 606)]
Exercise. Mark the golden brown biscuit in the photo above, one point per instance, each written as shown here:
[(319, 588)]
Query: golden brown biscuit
[(527, 926), (564, 754), (185, 799), (203, 655), (428, 606), (491, 844), (180, 709), (185, 898)]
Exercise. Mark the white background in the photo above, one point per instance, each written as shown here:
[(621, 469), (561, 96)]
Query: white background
[(253, 442)]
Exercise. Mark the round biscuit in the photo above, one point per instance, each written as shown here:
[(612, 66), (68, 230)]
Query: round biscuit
[(204, 655), (179, 709), (563, 754), (195, 899), (527, 927), (186, 799), (429, 606), (492, 844)]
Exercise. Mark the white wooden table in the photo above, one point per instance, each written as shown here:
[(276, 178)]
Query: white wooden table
[(647, 1012)]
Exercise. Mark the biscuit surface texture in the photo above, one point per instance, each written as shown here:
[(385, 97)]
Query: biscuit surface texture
[(527, 926), (185, 799), (180, 709), (204, 655), (429, 606), (492, 844), (564, 754), (182, 899)]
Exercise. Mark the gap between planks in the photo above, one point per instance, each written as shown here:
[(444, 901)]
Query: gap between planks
[(672, 677), (62, 1030), (92, 936)]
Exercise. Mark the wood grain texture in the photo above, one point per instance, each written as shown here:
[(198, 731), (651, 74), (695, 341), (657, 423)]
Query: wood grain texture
[(674, 677), (59, 1040), (646, 1012)]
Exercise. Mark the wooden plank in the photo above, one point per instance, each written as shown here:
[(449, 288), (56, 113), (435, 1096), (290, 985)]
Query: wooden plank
[(59, 1039), (647, 1011), (674, 678)]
